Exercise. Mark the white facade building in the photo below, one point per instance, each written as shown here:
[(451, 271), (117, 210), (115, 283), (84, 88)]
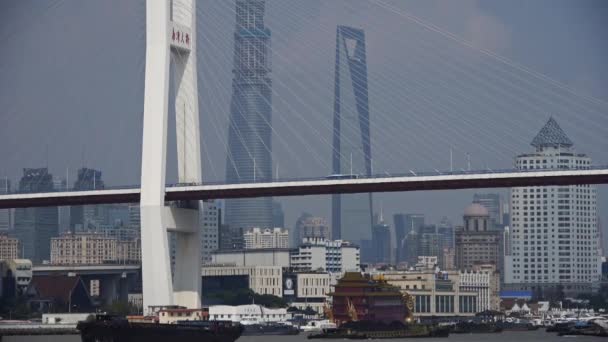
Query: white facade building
[(210, 228), (249, 313), (266, 238), (330, 256), (554, 235), (252, 257), (485, 281), (262, 279)]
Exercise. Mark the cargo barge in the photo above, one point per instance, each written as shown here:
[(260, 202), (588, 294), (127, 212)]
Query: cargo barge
[(106, 328)]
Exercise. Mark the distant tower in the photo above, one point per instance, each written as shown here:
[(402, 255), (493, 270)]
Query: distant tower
[(352, 213), (83, 215), (249, 134), (34, 227)]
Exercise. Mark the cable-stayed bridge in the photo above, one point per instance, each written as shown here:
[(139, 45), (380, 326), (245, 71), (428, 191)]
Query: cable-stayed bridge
[(171, 33), (337, 184)]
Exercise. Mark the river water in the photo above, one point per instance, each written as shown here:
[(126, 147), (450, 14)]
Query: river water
[(518, 336)]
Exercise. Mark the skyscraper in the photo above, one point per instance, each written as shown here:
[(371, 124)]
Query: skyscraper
[(554, 235), (381, 243), (351, 213), (34, 227), (249, 133), (83, 217), (210, 221), (404, 225)]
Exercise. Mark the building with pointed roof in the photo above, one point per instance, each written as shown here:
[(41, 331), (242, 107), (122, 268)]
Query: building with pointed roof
[(554, 229)]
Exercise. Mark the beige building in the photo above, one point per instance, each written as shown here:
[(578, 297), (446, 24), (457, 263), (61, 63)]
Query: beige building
[(9, 248), (485, 280), (435, 293), (262, 279), (476, 243), (92, 249)]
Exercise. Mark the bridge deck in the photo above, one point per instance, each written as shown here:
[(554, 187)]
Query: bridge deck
[(454, 180)]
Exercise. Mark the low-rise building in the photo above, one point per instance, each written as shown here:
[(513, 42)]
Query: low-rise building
[(316, 254), (435, 293), (307, 289), (262, 279), (484, 280), (251, 312), (252, 257), (266, 238)]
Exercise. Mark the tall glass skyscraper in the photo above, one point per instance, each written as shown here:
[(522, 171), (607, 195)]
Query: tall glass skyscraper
[(34, 227), (249, 134), (351, 213)]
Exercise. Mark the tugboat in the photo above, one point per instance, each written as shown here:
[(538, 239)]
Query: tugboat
[(365, 308), (108, 328)]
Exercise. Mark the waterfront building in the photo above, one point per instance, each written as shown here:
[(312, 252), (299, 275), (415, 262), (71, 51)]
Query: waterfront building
[(493, 202), (475, 242), (173, 315), (335, 256), (34, 227), (351, 213), (9, 248), (485, 280), (210, 222), (404, 225), (311, 290), (435, 293), (257, 238), (554, 236), (261, 279), (357, 297), (250, 130), (309, 226)]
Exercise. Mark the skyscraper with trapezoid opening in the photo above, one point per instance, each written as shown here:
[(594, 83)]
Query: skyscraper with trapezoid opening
[(351, 213)]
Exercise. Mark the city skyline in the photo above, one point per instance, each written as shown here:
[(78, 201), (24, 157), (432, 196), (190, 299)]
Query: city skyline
[(298, 36)]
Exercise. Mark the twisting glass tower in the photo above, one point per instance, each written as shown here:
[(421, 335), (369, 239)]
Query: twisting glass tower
[(351, 214), (249, 134)]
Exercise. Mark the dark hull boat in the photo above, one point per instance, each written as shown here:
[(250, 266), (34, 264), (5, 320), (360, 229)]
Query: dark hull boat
[(269, 329), (378, 330), (116, 329)]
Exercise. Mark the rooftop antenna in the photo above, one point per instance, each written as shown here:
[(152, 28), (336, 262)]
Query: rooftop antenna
[(468, 161)]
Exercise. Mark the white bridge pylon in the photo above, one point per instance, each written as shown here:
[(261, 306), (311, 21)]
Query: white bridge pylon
[(170, 36)]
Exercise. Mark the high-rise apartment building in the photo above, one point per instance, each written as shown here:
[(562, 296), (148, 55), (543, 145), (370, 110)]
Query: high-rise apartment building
[(404, 225), (309, 226), (34, 227), (554, 235), (330, 256), (93, 249), (278, 216), (249, 133), (351, 213), (210, 229)]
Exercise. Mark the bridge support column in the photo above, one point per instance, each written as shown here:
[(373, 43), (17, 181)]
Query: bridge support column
[(170, 36)]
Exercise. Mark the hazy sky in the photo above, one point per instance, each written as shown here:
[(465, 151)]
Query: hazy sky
[(71, 87)]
